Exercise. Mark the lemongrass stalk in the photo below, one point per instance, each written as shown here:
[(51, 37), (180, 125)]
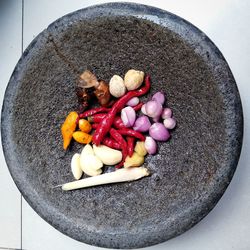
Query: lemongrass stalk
[(120, 175)]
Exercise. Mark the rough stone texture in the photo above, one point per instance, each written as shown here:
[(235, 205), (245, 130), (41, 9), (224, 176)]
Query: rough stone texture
[(191, 171)]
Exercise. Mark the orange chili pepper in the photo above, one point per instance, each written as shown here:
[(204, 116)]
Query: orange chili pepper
[(82, 137), (84, 126), (68, 128)]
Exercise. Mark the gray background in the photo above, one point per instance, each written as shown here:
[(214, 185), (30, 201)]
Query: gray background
[(226, 22)]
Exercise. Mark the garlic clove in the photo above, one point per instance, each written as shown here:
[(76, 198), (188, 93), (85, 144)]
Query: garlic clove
[(135, 160), (90, 161), (76, 167), (92, 172), (140, 148), (107, 155), (87, 150)]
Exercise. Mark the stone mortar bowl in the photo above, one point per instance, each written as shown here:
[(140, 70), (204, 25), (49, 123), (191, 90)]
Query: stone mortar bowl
[(191, 171)]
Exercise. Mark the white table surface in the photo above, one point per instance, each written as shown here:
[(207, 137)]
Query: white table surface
[(226, 22)]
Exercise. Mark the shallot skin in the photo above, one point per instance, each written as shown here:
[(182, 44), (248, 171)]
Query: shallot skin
[(142, 124), (166, 113), (133, 101), (143, 109), (159, 97), (158, 132), (153, 109), (150, 145), (128, 116), (169, 123)]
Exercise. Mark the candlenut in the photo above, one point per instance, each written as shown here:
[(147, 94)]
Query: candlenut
[(133, 79), (116, 86)]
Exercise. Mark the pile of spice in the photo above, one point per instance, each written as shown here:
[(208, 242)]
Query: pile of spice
[(122, 130)]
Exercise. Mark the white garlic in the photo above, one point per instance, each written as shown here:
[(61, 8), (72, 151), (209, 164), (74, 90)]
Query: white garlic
[(76, 167), (87, 150), (107, 155), (92, 172), (91, 165), (133, 79), (116, 86)]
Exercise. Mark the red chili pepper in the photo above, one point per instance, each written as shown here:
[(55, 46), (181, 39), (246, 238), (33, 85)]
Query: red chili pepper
[(94, 125), (130, 142), (118, 123), (118, 137), (138, 106), (132, 133), (107, 141), (96, 118), (93, 111), (111, 143), (111, 103), (106, 123), (119, 165), (103, 127)]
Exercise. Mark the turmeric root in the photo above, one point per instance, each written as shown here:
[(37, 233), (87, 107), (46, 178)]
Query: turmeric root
[(68, 128), (82, 137), (84, 126)]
